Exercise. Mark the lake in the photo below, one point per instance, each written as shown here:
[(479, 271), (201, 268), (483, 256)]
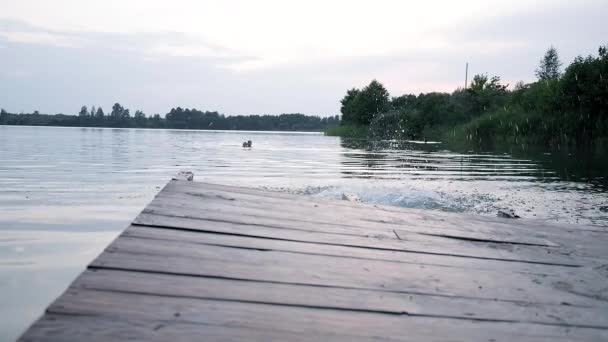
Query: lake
[(65, 193)]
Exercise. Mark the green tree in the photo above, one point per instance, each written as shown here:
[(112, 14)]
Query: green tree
[(361, 106), (99, 114), (481, 83), (83, 111), (584, 95), (404, 102), (550, 66), (486, 93), (156, 121), (373, 100), (140, 118), (117, 111), (349, 106)]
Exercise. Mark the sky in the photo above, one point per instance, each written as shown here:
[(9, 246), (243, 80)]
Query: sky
[(272, 56)]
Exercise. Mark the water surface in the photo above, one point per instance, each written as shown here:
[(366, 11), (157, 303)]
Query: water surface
[(65, 193)]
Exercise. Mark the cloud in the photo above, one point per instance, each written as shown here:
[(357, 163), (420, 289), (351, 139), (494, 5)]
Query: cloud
[(100, 69), (158, 44), (18, 32), (292, 69)]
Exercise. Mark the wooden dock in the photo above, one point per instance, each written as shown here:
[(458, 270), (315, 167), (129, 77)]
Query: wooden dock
[(207, 262)]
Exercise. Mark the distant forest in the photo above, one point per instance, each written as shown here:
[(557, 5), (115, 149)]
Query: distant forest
[(562, 108), (177, 118)]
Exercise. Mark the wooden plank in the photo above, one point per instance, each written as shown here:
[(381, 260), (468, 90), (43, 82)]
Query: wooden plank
[(365, 226), (76, 328), (209, 221), (306, 321), (214, 261), (224, 263), (294, 211), (589, 247), (588, 238), (305, 242), (421, 214), (339, 298)]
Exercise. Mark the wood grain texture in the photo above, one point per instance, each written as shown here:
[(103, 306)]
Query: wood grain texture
[(320, 270), (397, 303), (226, 234), (393, 240), (219, 263), (309, 321)]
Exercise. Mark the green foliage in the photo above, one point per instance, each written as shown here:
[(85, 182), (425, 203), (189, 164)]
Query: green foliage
[(549, 68), (510, 125), (178, 118), (99, 114), (403, 101), (347, 131), (349, 107), (390, 125), (584, 95), (83, 111), (361, 106), (558, 110), (117, 111), (540, 96), (486, 94), (140, 118)]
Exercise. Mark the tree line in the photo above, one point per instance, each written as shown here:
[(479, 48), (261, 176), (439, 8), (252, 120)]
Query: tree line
[(559, 108), (177, 118)]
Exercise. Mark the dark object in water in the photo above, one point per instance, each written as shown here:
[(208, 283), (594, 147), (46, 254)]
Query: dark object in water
[(604, 208), (350, 197), (247, 143), (507, 214)]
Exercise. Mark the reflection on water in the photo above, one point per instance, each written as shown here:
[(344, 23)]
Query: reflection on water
[(434, 160), (66, 192)]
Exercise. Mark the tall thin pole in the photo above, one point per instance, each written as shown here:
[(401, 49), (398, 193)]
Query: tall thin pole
[(466, 76)]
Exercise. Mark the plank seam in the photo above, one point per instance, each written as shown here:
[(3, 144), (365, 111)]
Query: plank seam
[(135, 236), (93, 267), (456, 233), (472, 239), (189, 217), (367, 206), (336, 308), (158, 226)]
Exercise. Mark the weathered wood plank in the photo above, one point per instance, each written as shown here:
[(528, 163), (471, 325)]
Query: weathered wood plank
[(215, 261), (225, 234), (593, 238), (224, 263), (293, 211), (339, 298), (585, 245), (76, 328), (534, 225), (308, 321), (209, 221)]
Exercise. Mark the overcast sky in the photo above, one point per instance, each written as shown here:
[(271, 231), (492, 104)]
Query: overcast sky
[(272, 57)]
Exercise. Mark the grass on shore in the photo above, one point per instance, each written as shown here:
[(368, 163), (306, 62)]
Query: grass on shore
[(347, 131)]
